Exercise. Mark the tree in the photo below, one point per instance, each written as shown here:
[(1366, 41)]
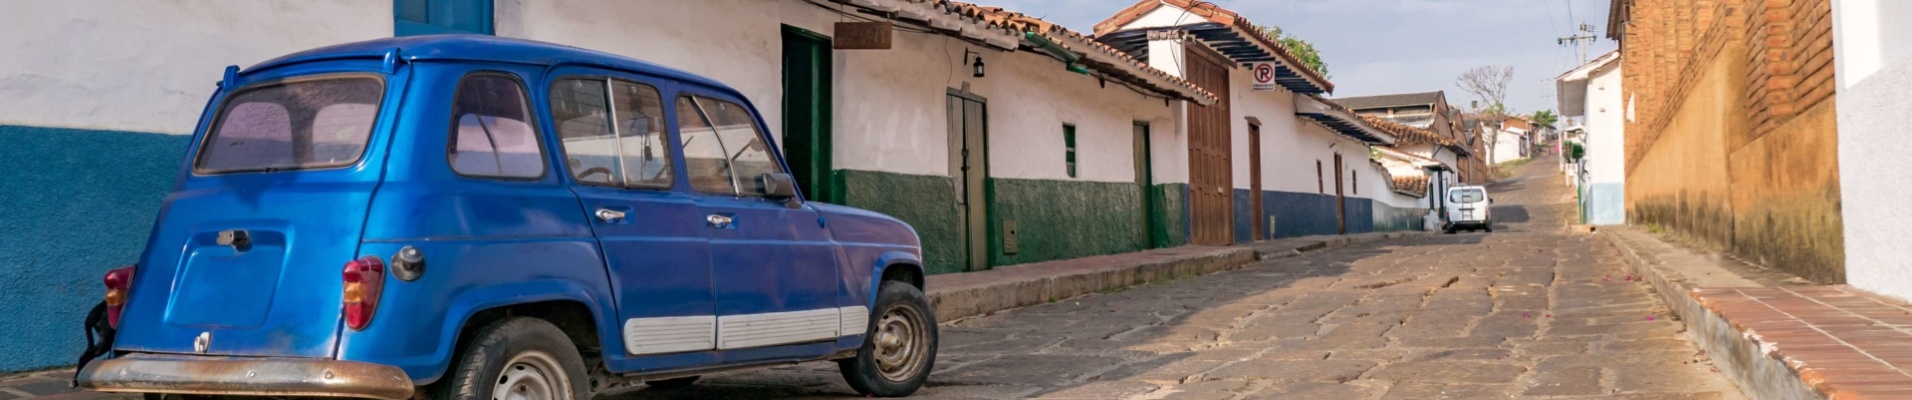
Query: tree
[(1545, 117), (1488, 84), (1302, 49)]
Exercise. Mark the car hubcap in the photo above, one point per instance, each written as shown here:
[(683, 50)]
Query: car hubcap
[(531, 376), (902, 344)]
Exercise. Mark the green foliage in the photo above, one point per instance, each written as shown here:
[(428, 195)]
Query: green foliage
[(1546, 117), (1302, 49), (1655, 228)]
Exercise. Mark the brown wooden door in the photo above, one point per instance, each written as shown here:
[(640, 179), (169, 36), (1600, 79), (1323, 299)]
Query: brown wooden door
[(1340, 199), (1210, 164), (1258, 224)]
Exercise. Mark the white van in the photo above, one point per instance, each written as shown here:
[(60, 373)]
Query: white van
[(1468, 207)]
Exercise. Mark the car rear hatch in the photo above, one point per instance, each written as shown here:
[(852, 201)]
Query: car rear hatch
[(247, 255)]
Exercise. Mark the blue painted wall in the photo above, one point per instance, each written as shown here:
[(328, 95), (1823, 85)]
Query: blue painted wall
[(1606, 203), (74, 204), (1300, 214)]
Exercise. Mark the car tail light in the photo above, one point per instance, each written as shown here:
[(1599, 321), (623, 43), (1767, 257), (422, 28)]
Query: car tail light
[(118, 282), (364, 280)]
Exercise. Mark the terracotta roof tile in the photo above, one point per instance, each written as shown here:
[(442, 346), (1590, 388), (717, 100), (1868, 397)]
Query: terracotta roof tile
[(1053, 32), (1413, 185), (1216, 14)]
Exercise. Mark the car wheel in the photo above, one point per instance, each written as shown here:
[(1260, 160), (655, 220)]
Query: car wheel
[(1490, 228), (517, 358), (899, 348), (672, 383)]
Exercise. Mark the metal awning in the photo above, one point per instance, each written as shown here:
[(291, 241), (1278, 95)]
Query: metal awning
[(1341, 120), (1229, 40)]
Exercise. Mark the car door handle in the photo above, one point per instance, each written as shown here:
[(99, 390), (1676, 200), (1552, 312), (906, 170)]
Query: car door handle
[(608, 215), (718, 220)]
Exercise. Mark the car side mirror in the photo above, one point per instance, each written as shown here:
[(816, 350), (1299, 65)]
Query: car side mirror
[(779, 186)]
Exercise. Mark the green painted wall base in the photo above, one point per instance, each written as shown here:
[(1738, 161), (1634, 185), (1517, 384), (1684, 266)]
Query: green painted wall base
[(1168, 207), (1064, 219), (927, 203)]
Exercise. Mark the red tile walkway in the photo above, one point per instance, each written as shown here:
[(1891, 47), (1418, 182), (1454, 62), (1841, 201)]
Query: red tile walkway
[(1844, 343)]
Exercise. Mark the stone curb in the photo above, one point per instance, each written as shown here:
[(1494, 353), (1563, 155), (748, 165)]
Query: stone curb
[(1757, 372), (953, 304)]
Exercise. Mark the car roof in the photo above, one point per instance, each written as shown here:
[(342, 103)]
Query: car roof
[(465, 47)]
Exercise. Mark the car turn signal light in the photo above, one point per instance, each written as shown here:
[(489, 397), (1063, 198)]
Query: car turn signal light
[(364, 280), (118, 282)]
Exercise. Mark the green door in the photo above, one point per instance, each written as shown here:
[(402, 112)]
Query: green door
[(807, 98)]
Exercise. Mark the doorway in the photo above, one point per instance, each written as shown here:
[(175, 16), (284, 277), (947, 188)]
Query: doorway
[(1211, 185), (969, 166), (1152, 235), (1258, 224), (808, 97), (1340, 199)]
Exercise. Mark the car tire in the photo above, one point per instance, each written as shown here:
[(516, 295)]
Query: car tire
[(897, 367), (1490, 228), (519, 354), (672, 383)]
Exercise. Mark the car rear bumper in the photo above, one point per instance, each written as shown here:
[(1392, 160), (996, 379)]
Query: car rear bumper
[(144, 373)]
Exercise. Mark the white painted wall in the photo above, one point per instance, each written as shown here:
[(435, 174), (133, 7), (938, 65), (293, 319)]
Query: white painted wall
[(1871, 44), (1606, 127), (148, 66), (1507, 145)]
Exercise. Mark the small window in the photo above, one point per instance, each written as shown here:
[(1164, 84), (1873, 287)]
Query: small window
[(704, 157), (304, 124), (1466, 196), (743, 141), (491, 130), (582, 114), (1321, 183), (640, 129), (432, 17), (630, 153), (1354, 177), (1069, 147)]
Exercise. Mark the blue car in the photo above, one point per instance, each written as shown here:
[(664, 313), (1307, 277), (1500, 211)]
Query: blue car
[(477, 217)]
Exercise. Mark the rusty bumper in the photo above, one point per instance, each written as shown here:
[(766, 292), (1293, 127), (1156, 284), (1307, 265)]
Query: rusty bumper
[(142, 373)]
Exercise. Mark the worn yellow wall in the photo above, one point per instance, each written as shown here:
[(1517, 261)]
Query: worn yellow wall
[(1786, 197), (1681, 182)]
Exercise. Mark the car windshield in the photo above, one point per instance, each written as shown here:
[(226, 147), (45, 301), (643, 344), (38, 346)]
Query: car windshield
[(303, 124), (1466, 196)]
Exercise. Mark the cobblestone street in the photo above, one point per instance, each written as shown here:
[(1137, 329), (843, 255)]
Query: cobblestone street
[(1527, 312)]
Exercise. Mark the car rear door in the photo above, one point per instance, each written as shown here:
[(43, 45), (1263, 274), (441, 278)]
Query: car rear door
[(776, 277), (620, 164)]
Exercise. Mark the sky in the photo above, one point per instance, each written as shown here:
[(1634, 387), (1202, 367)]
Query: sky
[(1400, 46)]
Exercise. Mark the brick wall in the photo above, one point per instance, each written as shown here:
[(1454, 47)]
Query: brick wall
[(1732, 140)]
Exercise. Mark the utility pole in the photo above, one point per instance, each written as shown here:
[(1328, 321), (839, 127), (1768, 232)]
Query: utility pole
[(1580, 42)]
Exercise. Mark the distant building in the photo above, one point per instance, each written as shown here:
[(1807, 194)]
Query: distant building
[(1591, 95), (1429, 111)]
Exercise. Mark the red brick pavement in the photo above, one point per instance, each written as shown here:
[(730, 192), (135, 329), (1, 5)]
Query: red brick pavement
[(1843, 342)]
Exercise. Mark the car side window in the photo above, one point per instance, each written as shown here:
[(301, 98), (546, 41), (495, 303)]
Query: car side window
[(743, 141), (724, 146), (492, 134), (582, 114), (643, 147), (704, 157)]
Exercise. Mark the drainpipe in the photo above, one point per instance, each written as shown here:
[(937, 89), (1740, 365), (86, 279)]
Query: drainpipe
[(1069, 58)]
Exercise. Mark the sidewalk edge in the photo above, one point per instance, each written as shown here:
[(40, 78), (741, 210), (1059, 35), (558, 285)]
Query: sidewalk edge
[(1756, 372)]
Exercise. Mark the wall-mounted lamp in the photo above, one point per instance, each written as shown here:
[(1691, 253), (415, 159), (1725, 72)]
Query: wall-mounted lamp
[(978, 65)]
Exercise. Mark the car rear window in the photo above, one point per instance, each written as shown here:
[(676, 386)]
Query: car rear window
[(301, 124), (1466, 196)]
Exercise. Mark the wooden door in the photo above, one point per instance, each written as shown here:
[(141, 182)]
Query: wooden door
[(1210, 155), (969, 166), (807, 103), (1340, 198), (1258, 224), (1145, 184)]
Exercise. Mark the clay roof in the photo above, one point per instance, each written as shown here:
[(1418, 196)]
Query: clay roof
[(1412, 185), (1219, 15), (1404, 134), (1392, 100), (1096, 55)]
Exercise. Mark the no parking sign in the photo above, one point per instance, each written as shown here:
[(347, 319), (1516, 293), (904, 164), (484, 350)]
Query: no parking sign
[(1264, 76)]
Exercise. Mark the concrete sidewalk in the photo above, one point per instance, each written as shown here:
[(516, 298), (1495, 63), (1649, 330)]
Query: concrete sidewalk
[(956, 296), (1777, 336)]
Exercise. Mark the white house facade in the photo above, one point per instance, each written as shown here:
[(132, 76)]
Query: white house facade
[(1592, 94), (1872, 47)]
